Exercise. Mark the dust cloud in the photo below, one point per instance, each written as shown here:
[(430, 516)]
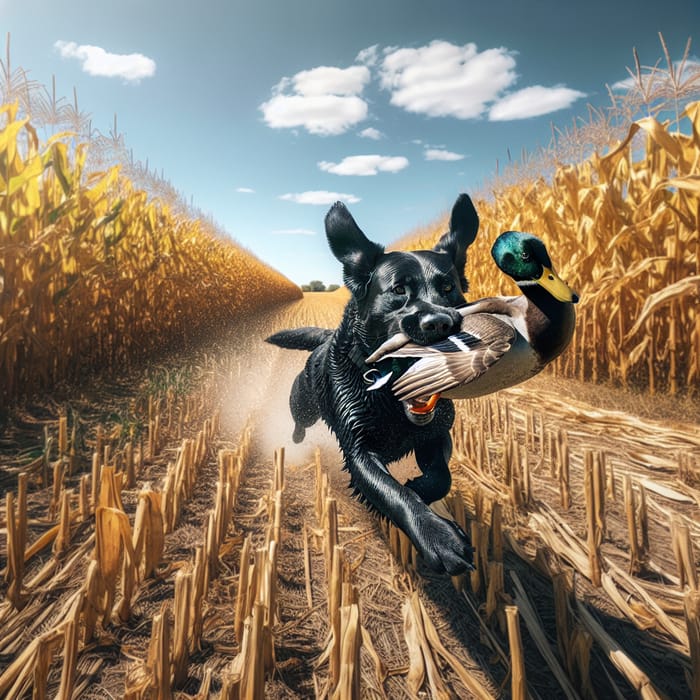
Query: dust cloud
[(260, 376)]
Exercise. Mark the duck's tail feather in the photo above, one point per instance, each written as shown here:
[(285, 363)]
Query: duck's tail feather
[(308, 338)]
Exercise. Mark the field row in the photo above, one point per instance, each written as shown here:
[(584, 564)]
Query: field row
[(65, 526), (603, 507)]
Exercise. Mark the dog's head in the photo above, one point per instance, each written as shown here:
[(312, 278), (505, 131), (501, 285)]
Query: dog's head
[(414, 292)]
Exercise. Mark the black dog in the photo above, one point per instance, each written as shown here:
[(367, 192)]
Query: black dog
[(417, 293)]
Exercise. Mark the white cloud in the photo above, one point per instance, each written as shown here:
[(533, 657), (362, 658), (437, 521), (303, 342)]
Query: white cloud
[(319, 197), (445, 80), (328, 80), (365, 165), (442, 79), (629, 83), (294, 232), (441, 154), (368, 56), (371, 133), (533, 102), (245, 190), (132, 67), (325, 115), (323, 100)]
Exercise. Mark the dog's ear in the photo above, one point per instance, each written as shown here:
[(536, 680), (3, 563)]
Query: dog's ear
[(464, 224), (357, 253)]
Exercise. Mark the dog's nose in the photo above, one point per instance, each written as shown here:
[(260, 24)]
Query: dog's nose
[(436, 325)]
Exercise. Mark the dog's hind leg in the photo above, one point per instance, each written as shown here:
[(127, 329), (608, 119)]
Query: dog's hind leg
[(432, 459), (303, 406)]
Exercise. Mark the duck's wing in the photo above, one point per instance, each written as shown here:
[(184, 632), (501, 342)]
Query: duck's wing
[(457, 360)]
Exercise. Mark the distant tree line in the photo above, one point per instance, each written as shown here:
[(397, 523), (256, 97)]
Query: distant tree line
[(318, 286)]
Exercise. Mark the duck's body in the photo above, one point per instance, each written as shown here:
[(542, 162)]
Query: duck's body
[(503, 341)]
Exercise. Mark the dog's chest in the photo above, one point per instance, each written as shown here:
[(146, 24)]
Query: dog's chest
[(391, 438), (390, 434), (367, 420)]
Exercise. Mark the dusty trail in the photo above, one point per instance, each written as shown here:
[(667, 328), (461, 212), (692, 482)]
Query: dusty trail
[(247, 382)]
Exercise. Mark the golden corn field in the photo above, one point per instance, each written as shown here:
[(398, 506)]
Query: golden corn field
[(161, 537), (93, 272), (624, 230)]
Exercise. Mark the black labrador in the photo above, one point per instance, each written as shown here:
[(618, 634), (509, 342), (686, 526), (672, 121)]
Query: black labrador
[(417, 293)]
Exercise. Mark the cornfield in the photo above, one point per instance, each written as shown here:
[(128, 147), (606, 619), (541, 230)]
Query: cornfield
[(158, 541), (623, 230), (93, 272)]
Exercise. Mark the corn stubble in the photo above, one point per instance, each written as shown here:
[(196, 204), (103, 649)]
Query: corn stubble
[(485, 431), (116, 551)]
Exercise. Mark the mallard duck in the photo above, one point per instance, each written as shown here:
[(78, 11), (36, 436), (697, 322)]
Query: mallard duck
[(503, 340)]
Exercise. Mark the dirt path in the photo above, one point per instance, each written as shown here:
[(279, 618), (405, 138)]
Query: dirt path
[(541, 537)]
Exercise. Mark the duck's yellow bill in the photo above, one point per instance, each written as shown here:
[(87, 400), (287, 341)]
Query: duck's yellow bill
[(556, 286)]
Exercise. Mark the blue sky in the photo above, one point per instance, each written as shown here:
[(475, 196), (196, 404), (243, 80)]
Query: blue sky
[(264, 112)]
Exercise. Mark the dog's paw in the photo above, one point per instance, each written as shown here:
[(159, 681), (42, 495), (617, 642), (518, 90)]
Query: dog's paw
[(446, 547)]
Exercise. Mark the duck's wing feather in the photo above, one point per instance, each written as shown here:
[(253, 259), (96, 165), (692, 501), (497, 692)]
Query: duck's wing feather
[(457, 360)]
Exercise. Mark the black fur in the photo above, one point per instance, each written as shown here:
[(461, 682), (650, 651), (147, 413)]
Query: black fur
[(416, 293), (301, 338)]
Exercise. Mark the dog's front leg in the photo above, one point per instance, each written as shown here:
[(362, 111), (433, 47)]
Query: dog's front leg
[(432, 458), (442, 543)]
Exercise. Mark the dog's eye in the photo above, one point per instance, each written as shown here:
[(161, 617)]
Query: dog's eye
[(448, 288), (399, 289)]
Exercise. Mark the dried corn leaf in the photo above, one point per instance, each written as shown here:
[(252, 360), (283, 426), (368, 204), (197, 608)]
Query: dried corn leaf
[(680, 289)]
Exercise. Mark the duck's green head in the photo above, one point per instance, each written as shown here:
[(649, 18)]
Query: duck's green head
[(525, 258)]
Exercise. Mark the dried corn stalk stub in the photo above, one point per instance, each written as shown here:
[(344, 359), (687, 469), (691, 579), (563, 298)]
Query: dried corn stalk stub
[(116, 560), (148, 536)]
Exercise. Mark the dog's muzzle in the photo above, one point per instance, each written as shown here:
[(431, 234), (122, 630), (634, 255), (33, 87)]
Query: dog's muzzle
[(428, 326)]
